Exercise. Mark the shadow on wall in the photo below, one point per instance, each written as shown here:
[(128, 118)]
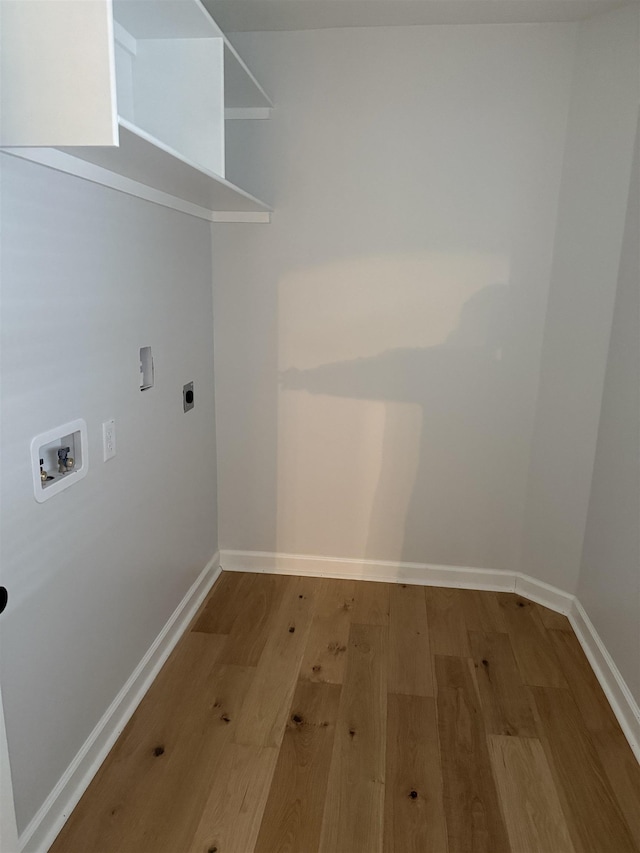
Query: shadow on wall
[(443, 468)]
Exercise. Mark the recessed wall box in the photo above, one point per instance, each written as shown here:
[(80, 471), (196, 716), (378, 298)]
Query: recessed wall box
[(146, 368), (63, 454)]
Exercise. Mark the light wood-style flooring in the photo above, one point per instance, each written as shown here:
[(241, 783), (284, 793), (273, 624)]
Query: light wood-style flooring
[(304, 714)]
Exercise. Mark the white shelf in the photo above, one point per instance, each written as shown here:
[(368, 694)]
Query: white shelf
[(188, 19), (164, 78), (165, 19), (148, 161), (241, 89), (145, 167)]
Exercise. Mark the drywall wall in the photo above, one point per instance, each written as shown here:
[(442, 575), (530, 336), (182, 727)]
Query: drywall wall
[(88, 277), (318, 14), (378, 345), (593, 202), (609, 586)]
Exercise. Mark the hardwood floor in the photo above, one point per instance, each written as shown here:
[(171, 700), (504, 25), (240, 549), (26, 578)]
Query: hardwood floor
[(301, 715)]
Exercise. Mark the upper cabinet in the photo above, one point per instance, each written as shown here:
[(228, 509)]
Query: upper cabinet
[(132, 94), (58, 80)]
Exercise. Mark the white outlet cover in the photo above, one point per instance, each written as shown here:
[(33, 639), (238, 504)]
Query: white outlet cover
[(109, 439)]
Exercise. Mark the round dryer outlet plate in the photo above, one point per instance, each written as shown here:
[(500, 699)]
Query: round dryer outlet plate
[(188, 400)]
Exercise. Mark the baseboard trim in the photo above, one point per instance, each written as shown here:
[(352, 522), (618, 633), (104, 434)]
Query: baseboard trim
[(371, 570), (616, 690), (42, 830), (543, 593)]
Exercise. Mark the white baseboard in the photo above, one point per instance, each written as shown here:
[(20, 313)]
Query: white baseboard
[(620, 698), (616, 690), (371, 570), (42, 830), (545, 594)]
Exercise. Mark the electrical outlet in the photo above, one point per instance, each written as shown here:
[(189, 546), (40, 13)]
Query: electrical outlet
[(188, 401), (109, 439)]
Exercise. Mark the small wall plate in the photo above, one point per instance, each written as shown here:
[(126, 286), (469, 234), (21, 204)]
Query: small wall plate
[(146, 368), (188, 400)]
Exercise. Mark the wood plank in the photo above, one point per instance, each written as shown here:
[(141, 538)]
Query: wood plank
[(292, 819), (409, 648), (125, 789), (552, 620), (354, 807), (371, 605), (623, 772), (224, 602), (584, 685), (413, 803), (594, 817), (325, 656), (482, 611), (506, 703), (472, 810), (447, 625), (530, 803), (231, 818), (532, 647), (262, 595), (168, 822), (264, 714)]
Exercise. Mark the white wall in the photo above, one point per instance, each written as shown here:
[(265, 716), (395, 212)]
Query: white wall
[(378, 345), (89, 276), (595, 188), (609, 586)]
